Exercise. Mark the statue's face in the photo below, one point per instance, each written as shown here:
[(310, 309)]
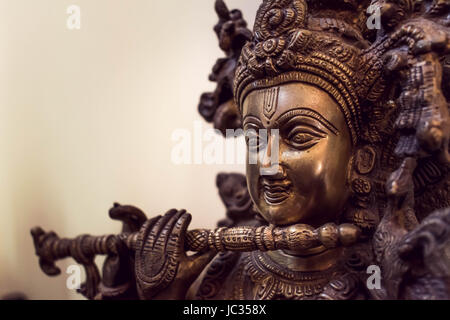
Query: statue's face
[(308, 183)]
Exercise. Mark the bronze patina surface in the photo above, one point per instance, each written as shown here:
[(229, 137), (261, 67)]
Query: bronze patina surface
[(348, 134)]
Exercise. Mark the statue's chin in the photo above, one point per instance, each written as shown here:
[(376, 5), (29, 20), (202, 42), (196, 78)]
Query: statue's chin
[(287, 211), (283, 217), (287, 215), (306, 252), (311, 260)]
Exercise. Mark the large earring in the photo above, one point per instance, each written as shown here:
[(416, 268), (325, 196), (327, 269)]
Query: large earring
[(362, 210)]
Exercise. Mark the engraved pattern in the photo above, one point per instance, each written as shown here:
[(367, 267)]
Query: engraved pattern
[(392, 88), (270, 101), (269, 280)]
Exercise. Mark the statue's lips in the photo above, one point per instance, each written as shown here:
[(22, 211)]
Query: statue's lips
[(275, 192)]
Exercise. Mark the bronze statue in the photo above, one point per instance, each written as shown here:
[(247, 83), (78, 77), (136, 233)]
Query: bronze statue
[(360, 121)]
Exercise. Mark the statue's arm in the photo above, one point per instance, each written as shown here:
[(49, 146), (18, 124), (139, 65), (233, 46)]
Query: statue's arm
[(147, 260)]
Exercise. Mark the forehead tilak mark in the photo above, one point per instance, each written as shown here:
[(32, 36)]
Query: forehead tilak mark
[(270, 101)]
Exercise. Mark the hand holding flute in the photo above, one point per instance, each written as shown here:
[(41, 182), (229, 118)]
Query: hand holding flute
[(162, 242)]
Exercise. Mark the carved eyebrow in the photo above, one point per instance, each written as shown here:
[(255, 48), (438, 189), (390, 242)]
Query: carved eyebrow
[(250, 118), (305, 112)]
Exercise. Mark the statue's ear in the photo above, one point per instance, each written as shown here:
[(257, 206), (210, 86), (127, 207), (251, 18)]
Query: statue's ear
[(364, 159), (362, 162)]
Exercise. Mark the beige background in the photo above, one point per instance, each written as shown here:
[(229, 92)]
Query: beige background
[(86, 119)]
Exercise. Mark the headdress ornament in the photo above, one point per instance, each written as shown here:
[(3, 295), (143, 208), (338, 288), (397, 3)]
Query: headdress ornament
[(291, 44)]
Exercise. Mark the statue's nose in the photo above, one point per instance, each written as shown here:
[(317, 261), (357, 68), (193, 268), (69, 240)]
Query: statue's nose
[(270, 159), (274, 172)]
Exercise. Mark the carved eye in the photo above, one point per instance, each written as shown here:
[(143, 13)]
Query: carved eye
[(252, 140), (304, 138)]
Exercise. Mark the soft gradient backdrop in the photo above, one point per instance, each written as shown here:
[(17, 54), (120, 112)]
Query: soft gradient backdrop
[(86, 119)]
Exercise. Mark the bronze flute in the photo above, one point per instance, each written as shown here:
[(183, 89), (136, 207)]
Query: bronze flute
[(50, 248)]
